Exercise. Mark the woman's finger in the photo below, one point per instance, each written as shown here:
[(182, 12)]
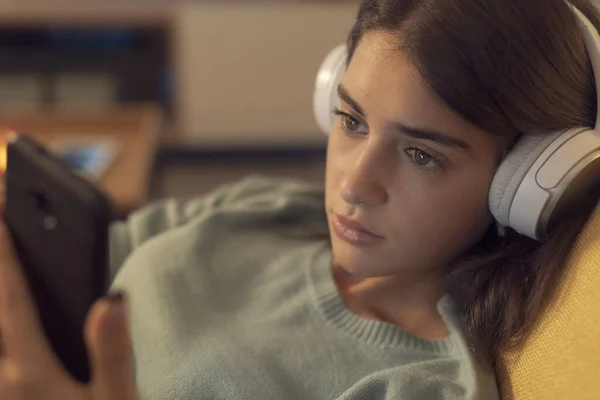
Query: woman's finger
[(22, 335), (109, 345)]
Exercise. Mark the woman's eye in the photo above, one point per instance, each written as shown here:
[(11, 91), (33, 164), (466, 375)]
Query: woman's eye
[(423, 159), (350, 123)]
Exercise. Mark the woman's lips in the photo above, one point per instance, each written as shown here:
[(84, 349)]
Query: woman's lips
[(353, 232)]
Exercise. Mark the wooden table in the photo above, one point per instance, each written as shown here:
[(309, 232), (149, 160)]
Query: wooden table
[(134, 130)]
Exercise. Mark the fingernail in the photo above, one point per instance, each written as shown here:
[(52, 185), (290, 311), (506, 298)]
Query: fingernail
[(116, 297), (118, 312)]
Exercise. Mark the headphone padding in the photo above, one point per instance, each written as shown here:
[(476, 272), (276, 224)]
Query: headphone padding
[(513, 169)]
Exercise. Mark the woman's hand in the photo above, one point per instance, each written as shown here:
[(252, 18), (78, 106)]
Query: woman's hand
[(29, 370)]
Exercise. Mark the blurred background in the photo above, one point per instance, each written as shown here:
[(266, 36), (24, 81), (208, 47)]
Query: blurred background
[(188, 94)]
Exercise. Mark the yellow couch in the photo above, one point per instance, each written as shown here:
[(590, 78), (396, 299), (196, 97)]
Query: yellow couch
[(561, 360)]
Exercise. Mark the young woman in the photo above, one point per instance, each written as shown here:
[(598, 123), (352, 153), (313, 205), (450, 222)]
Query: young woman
[(416, 292)]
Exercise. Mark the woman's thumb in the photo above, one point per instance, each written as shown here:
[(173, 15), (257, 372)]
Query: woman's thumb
[(109, 347)]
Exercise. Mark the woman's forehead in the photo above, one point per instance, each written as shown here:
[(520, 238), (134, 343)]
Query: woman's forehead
[(389, 88)]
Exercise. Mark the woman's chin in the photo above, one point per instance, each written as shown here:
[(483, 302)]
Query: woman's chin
[(364, 262), (354, 261)]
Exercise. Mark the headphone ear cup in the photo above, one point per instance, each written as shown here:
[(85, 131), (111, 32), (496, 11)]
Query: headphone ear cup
[(512, 171), (329, 77)]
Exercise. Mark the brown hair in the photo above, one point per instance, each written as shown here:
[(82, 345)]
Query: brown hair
[(509, 67)]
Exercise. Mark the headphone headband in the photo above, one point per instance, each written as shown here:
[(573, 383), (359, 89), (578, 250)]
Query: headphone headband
[(591, 39)]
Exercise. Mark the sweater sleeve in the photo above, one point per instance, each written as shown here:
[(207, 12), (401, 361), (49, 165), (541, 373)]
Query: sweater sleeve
[(154, 219)]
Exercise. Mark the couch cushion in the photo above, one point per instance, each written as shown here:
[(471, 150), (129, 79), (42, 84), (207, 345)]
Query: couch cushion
[(561, 359)]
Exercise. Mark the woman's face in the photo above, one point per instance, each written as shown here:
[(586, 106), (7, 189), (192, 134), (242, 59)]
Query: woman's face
[(403, 167)]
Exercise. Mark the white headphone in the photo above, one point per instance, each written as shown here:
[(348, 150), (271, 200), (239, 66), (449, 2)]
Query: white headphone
[(540, 174)]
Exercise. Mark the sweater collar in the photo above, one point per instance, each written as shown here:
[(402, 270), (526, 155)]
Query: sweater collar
[(378, 333)]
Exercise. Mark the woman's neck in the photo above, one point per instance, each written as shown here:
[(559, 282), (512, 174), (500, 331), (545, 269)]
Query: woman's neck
[(409, 301)]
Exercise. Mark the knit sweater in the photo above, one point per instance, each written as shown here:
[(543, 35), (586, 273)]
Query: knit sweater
[(231, 297)]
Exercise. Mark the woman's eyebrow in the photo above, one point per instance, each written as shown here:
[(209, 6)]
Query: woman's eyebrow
[(428, 134), (416, 133), (346, 98)]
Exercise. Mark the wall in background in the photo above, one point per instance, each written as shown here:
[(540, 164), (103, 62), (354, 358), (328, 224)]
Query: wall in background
[(245, 72)]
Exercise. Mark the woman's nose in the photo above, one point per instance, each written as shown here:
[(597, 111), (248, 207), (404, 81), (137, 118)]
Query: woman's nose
[(364, 183)]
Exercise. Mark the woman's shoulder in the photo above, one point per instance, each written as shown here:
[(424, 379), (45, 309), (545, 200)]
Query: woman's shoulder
[(262, 188), (256, 202), (252, 193), (257, 195)]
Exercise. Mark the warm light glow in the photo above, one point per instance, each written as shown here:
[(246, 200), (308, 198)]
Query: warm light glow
[(2, 156), (4, 138)]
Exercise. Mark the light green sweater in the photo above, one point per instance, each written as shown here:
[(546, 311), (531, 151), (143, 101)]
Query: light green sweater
[(231, 299)]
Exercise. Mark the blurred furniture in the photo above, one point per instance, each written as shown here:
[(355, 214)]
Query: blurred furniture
[(84, 55), (134, 130), (561, 359), (237, 73)]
